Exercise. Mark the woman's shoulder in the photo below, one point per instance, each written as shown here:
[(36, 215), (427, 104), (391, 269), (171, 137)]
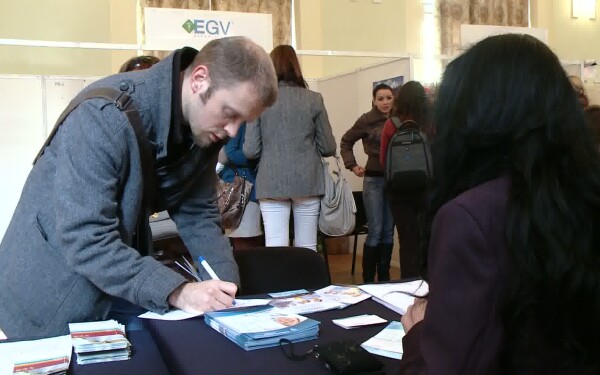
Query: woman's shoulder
[(485, 203)]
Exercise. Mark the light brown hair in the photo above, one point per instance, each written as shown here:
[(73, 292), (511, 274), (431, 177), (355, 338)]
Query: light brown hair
[(234, 60)]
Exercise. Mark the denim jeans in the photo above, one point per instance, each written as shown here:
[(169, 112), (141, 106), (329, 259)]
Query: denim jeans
[(378, 211)]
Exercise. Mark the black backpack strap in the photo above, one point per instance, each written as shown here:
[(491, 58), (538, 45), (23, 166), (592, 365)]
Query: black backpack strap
[(124, 103), (396, 122)]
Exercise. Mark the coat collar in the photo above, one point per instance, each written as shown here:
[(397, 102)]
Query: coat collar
[(158, 98)]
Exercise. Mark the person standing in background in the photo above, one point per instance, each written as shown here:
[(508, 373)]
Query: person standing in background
[(592, 116), (290, 138), (411, 107), (377, 251), (580, 91), (138, 63), (249, 233)]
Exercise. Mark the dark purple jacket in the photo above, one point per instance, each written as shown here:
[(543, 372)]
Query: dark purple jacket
[(461, 333)]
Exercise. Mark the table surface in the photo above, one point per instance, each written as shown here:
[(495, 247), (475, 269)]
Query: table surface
[(192, 347)]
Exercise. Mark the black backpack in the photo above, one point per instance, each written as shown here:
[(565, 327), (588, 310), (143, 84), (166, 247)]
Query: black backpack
[(408, 159)]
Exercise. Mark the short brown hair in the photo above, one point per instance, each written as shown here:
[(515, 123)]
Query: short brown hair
[(234, 60)]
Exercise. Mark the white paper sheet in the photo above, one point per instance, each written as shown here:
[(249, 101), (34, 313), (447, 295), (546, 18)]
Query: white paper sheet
[(182, 315)]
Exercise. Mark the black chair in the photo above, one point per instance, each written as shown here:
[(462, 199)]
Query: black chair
[(278, 269), (360, 227)]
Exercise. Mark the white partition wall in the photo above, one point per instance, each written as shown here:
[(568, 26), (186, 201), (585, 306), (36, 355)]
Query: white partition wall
[(21, 126), (59, 92), (29, 107), (340, 94)]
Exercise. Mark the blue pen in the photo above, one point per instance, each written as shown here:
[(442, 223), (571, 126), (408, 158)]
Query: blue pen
[(208, 268)]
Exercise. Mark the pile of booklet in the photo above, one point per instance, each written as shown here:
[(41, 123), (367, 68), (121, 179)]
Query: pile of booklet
[(262, 326), (45, 356), (96, 342), (397, 296), (388, 342)]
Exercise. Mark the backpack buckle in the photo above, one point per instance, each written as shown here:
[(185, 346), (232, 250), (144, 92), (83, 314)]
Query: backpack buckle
[(122, 101)]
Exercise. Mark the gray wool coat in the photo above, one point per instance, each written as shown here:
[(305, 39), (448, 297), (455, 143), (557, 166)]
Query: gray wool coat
[(290, 138), (67, 248)]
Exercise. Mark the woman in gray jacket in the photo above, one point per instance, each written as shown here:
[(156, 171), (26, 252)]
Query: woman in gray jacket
[(290, 138)]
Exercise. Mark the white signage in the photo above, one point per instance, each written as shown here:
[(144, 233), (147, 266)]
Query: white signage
[(471, 34), (169, 29)]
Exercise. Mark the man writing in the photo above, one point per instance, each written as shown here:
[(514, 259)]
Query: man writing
[(68, 247)]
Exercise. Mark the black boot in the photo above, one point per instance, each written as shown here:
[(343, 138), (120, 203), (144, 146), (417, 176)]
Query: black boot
[(369, 263), (383, 262)]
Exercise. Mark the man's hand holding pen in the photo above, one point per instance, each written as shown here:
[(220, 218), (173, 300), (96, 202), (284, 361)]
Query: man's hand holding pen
[(203, 296)]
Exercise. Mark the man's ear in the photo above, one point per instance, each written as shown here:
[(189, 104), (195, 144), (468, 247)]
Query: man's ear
[(199, 79)]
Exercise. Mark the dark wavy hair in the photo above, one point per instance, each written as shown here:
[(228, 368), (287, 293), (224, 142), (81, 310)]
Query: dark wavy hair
[(287, 65), (506, 108)]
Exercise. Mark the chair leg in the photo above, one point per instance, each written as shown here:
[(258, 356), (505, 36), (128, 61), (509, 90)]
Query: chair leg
[(354, 255), (324, 248)]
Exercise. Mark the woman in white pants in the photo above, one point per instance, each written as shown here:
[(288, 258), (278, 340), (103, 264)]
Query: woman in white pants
[(276, 217), (290, 138)]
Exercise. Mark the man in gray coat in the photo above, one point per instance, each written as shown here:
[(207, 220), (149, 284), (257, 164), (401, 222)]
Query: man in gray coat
[(68, 247)]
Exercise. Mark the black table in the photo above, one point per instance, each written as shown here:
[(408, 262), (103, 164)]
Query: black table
[(192, 347)]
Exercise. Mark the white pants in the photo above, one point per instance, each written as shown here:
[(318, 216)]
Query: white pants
[(276, 217)]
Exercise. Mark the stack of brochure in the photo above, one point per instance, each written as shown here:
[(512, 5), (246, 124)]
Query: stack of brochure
[(96, 342), (387, 343), (45, 356), (397, 296), (262, 326)]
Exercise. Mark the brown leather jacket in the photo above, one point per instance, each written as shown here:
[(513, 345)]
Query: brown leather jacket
[(368, 127)]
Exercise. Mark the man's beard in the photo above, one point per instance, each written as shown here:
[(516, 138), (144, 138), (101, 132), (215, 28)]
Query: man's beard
[(204, 139)]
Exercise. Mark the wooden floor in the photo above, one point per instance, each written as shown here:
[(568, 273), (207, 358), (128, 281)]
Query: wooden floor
[(340, 266)]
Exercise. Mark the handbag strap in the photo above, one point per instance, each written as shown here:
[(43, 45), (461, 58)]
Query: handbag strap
[(142, 237)]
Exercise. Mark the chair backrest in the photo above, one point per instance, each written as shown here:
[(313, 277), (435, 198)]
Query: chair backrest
[(277, 269), (361, 216)]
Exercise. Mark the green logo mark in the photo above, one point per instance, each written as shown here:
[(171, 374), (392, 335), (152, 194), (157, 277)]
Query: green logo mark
[(188, 26)]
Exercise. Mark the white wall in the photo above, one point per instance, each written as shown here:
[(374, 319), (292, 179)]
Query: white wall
[(29, 107)]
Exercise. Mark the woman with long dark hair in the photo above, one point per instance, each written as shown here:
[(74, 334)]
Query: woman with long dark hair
[(514, 248), (411, 108)]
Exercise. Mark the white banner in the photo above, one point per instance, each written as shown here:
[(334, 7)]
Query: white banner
[(471, 34), (168, 29)]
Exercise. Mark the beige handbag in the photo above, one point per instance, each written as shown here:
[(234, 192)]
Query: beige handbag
[(338, 210)]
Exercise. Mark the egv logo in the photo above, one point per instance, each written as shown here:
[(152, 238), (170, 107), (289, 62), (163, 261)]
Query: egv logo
[(210, 27)]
